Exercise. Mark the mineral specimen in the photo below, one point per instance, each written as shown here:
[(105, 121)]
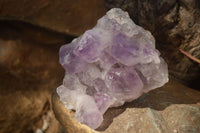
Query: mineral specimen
[(113, 63)]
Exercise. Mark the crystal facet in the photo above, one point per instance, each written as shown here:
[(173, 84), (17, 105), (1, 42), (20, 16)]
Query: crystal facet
[(113, 63)]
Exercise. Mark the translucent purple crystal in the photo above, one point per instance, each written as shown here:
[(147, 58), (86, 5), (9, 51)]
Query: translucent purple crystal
[(113, 63)]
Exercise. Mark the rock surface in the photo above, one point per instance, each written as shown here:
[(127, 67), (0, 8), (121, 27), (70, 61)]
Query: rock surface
[(28, 72), (175, 25), (166, 110), (61, 16)]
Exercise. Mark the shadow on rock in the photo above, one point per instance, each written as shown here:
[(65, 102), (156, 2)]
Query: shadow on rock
[(158, 99)]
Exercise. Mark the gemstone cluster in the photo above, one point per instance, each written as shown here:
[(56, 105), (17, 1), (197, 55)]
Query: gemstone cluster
[(113, 63)]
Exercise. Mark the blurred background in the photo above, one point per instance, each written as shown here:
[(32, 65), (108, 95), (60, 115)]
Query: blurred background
[(31, 32)]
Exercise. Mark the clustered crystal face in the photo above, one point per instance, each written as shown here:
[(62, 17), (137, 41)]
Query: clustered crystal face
[(112, 63)]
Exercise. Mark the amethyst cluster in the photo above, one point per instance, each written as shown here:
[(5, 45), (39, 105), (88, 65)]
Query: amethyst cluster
[(113, 63)]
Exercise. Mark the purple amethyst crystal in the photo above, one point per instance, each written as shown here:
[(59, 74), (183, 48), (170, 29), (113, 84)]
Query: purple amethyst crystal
[(113, 63)]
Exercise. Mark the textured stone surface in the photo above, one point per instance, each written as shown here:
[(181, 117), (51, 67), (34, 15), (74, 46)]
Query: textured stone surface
[(175, 25), (62, 16), (165, 110), (26, 81), (16, 30), (110, 64)]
